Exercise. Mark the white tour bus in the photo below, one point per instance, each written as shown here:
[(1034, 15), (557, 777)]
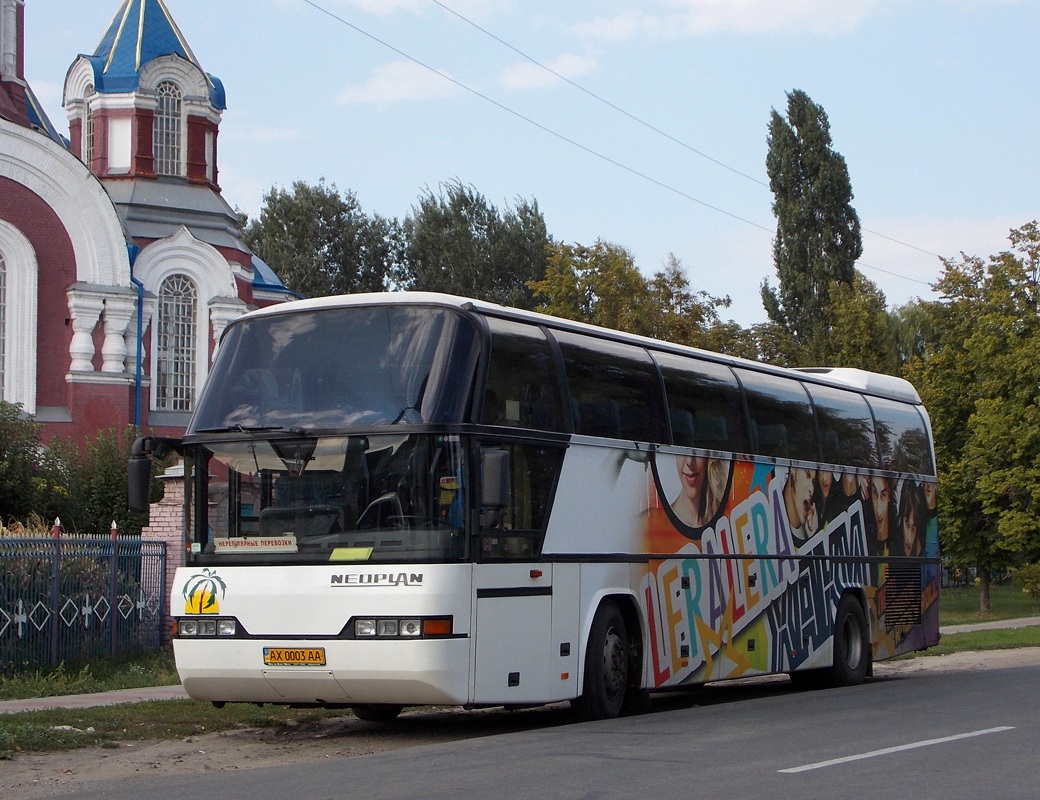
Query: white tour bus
[(406, 498)]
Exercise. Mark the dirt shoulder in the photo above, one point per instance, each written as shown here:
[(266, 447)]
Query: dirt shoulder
[(39, 775)]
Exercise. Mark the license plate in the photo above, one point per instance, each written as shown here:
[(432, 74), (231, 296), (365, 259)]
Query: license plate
[(294, 656)]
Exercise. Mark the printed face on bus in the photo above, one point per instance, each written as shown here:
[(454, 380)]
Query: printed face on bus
[(691, 504), (826, 478), (910, 532), (881, 497), (798, 496)]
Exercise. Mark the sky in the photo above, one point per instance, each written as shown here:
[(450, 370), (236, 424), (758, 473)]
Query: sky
[(648, 130)]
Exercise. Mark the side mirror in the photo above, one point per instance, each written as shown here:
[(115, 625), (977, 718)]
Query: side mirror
[(139, 469), (495, 480), (139, 481)]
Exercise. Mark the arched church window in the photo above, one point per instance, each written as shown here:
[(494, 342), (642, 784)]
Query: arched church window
[(88, 126), (175, 348), (168, 129)]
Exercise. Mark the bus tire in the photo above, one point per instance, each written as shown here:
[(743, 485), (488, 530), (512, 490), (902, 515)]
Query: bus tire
[(377, 712), (606, 666), (851, 644)]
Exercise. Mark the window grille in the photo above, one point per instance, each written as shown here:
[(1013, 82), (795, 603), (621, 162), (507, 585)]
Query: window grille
[(168, 125), (176, 357)]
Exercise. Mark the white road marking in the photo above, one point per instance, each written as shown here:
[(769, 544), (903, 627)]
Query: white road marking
[(887, 750)]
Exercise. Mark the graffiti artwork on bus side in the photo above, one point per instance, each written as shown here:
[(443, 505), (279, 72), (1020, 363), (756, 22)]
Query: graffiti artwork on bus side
[(752, 559)]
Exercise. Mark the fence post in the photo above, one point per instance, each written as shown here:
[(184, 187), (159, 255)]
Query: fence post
[(55, 591), (113, 612)]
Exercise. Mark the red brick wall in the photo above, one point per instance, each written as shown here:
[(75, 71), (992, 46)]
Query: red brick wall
[(28, 212), (166, 525)]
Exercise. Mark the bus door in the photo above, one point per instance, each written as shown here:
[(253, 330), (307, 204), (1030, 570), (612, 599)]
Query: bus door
[(513, 627)]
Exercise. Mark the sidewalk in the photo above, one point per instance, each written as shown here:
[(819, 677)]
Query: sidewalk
[(97, 699), (178, 693), (1022, 622)]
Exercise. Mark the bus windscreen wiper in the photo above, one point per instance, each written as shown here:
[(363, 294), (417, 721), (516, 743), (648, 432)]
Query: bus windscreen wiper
[(242, 429)]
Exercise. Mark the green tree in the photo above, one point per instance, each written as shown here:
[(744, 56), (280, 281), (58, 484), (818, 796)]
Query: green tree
[(818, 236), (97, 480), (912, 326), (33, 478), (600, 284), (980, 379), (321, 242), (861, 331), (458, 242)]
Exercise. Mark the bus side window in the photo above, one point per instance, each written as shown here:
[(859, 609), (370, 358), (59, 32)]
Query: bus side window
[(615, 387), (521, 389), (846, 427), (781, 416), (902, 437), (704, 404)]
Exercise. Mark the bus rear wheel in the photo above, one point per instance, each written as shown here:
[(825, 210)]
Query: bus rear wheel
[(606, 666), (377, 712), (851, 644)]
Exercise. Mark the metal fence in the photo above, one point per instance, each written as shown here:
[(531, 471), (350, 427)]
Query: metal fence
[(73, 599)]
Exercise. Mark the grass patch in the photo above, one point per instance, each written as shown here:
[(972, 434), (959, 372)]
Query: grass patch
[(108, 726), (959, 605), (141, 670)]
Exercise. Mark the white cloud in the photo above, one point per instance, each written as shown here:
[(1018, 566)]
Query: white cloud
[(399, 80), (684, 17), (527, 75), (626, 25)]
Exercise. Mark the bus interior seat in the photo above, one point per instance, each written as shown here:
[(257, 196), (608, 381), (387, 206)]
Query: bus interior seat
[(637, 424), (599, 419), (711, 433), (771, 439), (682, 428)]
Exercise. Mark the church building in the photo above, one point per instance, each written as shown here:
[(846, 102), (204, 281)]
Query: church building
[(120, 261)]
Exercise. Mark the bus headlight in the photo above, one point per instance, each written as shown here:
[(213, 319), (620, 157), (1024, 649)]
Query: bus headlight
[(410, 627), (193, 627), (365, 627), (402, 628)]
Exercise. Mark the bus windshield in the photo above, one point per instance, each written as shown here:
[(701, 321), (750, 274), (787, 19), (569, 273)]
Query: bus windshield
[(375, 498), (340, 368)]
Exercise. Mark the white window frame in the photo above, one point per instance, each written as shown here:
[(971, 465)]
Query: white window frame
[(176, 343), (168, 131)]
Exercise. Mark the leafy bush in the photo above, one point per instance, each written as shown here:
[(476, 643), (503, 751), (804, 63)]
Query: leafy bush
[(1028, 577), (33, 479), (83, 485)]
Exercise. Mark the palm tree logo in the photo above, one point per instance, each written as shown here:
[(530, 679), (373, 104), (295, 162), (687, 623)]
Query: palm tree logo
[(200, 593)]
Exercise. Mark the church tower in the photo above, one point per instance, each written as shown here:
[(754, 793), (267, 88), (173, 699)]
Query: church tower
[(121, 264)]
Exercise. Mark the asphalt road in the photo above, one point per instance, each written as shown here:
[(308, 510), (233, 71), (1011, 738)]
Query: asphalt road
[(950, 735)]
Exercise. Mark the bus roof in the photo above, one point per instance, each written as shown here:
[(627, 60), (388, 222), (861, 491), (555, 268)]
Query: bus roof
[(872, 383)]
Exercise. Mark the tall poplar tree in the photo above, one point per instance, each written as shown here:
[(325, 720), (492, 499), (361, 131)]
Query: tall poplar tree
[(817, 230)]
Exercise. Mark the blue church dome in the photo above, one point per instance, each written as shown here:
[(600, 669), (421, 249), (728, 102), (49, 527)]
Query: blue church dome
[(141, 31)]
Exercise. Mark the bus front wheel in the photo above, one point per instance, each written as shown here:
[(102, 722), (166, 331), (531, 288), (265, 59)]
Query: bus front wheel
[(851, 644), (606, 666)]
